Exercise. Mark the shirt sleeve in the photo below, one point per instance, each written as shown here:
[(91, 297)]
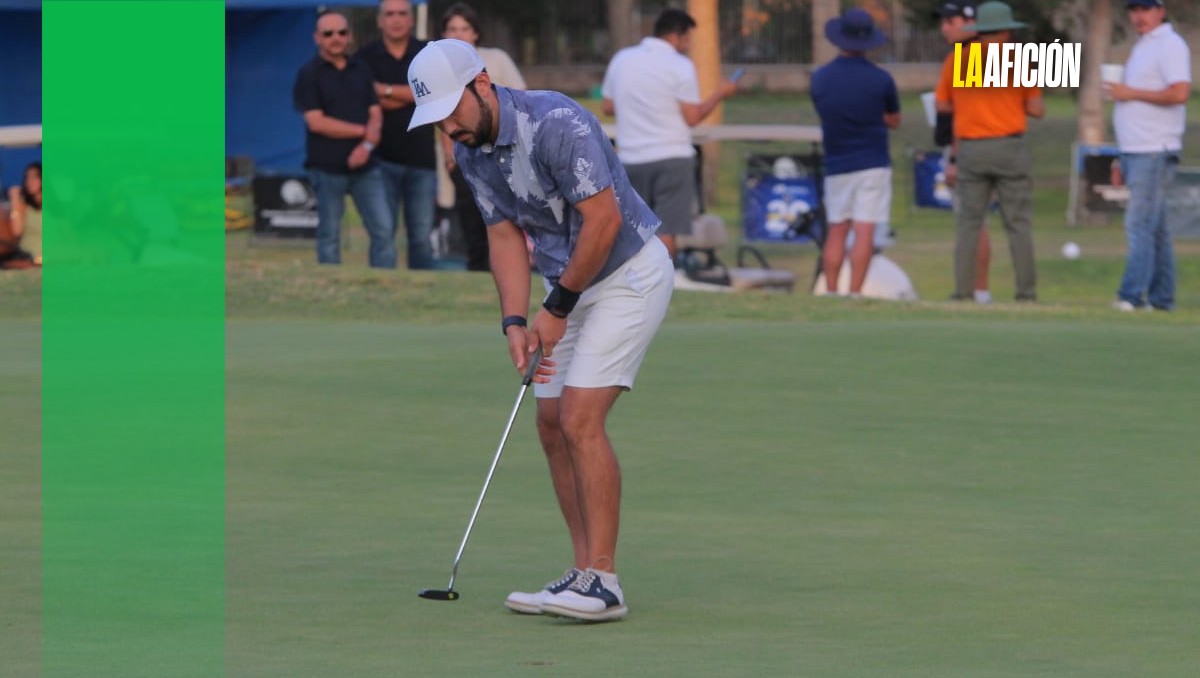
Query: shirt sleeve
[(1176, 63), (569, 146), (688, 88), (943, 92), (304, 91), (891, 98)]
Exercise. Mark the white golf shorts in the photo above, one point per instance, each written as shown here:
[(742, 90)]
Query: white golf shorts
[(865, 195), (610, 328)]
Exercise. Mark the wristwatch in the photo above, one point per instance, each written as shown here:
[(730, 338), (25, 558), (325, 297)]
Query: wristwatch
[(387, 92)]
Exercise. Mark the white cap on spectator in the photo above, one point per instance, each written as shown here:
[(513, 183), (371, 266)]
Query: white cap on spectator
[(438, 75)]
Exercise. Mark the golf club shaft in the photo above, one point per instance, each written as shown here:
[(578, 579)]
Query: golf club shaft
[(529, 372)]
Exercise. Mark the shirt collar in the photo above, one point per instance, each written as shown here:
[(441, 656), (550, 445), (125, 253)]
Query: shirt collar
[(1162, 29), (658, 44), (508, 118)]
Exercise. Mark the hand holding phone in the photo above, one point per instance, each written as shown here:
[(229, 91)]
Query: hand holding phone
[(737, 74)]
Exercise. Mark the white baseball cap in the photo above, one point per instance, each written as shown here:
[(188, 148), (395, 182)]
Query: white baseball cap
[(438, 75)]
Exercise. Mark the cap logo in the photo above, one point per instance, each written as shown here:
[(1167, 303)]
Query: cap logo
[(968, 12), (419, 89)]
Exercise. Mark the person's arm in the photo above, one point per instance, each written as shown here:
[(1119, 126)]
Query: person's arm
[(392, 97), (891, 105), (1171, 95), (510, 270), (1035, 106), (607, 106), (694, 114), (17, 215), (325, 125)]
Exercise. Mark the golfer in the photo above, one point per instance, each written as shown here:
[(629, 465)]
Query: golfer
[(539, 164)]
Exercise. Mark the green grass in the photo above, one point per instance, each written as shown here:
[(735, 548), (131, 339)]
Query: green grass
[(813, 487)]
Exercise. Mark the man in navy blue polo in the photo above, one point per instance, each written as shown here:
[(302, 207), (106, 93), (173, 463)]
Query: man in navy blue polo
[(858, 103), (538, 163), (342, 114)]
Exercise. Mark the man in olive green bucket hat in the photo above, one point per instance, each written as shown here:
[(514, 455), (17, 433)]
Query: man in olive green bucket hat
[(991, 154)]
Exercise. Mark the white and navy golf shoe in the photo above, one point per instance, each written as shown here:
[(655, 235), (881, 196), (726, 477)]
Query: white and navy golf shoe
[(593, 596), (531, 603)]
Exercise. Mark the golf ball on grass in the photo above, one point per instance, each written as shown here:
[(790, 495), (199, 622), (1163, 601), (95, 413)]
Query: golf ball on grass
[(1070, 251)]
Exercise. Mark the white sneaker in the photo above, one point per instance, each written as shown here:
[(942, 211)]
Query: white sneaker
[(983, 297), (593, 596), (531, 603), (1122, 305)]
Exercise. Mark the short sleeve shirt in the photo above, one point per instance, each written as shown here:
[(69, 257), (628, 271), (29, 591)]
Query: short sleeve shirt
[(646, 83), (551, 153), (397, 144), (1159, 59), (346, 94), (851, 95), (984, 112)]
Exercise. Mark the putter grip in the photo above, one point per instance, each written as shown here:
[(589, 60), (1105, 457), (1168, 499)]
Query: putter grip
[(533, 365)]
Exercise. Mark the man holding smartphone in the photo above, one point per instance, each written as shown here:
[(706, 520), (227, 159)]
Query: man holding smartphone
[(652, 89)]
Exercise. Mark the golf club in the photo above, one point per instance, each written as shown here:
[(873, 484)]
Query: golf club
[(449, 593)]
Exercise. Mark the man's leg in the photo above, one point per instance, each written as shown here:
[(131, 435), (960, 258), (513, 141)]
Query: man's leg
[(983, 262), (562, 474), (393, 175), (582, 415), (833, 254), (419, 192), (860, 254), (370, 197), (331, 204), (1014, 188), (974, 190)]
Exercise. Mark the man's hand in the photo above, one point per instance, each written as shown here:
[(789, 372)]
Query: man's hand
[(518, 343), (951, 173), (545, 331), (358, 157), (1115, 91)]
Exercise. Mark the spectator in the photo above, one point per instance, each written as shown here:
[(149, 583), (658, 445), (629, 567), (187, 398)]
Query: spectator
[(1149, 118), (857, 102), (26, 206), (652, 89), (408, 159), (462, 23), (539, 163), (343, 118), (957, 23), (990, 154)]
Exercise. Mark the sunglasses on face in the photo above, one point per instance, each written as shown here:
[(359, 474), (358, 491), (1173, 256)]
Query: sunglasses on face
[(341, 31), (396, 12)]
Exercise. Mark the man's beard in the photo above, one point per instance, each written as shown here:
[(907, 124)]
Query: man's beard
[(482, 133)]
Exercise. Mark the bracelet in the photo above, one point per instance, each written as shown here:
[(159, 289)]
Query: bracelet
[(511, 321), (561, 301)]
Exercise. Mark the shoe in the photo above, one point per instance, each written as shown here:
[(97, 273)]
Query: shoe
[(531, 603), (983, 297), (593, 596), (1122, 305)]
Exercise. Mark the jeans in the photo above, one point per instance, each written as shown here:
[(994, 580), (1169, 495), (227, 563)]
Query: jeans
[(1150, 261), (367, 189), (417, 188)]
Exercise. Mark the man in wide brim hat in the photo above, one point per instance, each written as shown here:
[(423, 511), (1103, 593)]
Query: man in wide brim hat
[(854, 31), (995, 16)]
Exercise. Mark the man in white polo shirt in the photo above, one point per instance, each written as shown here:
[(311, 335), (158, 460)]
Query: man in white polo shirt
[(1149, 119), (652, 89)]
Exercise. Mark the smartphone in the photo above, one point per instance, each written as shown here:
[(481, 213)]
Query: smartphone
[(737, 75)]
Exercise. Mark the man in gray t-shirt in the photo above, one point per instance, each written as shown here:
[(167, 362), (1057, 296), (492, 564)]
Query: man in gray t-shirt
[(539, 164)]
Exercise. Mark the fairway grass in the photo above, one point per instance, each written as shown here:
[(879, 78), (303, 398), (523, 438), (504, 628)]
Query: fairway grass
[(949, 498)]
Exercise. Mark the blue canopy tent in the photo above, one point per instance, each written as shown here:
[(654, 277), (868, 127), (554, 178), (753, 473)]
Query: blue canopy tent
[(266, 42), (20, 80)]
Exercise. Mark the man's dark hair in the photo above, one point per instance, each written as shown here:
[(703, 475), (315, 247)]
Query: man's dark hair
[(468, 15), (673, 22)]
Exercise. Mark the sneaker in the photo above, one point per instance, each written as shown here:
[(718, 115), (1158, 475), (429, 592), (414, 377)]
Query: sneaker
[(1122, 305), (983, 297), (531, 603), (593, 596)]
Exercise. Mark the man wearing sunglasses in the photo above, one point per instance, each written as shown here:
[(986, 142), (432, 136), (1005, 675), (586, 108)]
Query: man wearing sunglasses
[(408, 159), (342, 114)]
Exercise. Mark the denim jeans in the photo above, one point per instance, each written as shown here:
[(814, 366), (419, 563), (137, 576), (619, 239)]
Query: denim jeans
[(367, 189), (1150, 261), (416, 187)]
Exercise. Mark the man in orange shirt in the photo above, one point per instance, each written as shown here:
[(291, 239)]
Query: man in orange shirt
[(990, 154)]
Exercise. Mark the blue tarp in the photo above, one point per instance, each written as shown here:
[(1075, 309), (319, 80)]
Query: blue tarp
[(266, 42), (20, 80)]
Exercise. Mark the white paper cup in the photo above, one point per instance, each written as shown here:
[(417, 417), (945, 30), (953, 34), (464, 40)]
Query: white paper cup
[(1112, 72), (930, 108)]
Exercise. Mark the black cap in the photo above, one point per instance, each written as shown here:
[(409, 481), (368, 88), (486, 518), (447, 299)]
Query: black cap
[(1130, 4), (953, 8)]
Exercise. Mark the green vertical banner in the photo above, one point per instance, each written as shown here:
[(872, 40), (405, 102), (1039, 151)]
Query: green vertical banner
[(133, 339)]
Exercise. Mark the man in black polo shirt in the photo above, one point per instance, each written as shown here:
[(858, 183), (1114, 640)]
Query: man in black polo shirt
[(408, 160), (342, 113)]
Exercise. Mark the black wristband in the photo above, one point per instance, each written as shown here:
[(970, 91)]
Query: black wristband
[(510, 321), (561, 301)]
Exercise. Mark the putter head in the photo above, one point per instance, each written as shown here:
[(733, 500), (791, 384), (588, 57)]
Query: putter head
[(439, 594)]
